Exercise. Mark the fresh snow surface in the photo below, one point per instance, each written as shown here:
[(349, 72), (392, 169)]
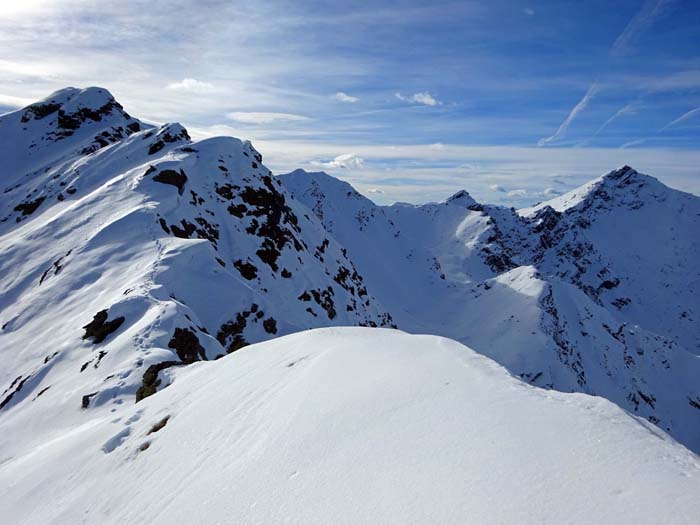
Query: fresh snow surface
[(132, 259), (596, 291), (194, 246), (353, 425)]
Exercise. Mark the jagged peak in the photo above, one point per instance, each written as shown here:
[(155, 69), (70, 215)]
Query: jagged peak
[(173, 129), (168, 134), (620, 186), (70, 100), (64, 111), (620, 172), (462, 198), (624, 176), (301, 172), (327, 183)]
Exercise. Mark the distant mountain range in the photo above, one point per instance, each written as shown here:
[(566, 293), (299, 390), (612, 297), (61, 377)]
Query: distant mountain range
[(128, 251)]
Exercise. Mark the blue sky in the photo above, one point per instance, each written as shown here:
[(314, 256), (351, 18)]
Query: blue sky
[(513, 101)]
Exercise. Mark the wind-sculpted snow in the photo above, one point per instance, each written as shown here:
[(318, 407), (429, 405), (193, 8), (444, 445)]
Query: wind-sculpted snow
[(596, 291), (351, 425)]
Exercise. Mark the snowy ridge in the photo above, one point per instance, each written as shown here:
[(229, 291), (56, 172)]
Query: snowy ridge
[(573, 294), (121, 264), (135, 261), (355, 425)]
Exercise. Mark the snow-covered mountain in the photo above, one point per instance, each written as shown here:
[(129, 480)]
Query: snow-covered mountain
[(128, 251), (596, 291), (352, 425)]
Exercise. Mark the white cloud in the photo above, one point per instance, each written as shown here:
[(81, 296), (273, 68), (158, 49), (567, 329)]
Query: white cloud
[(551, 192), (14, 102), (375, 191), (23, 8), (191, 85), (517, 193), (498, 188), (417, 173), (263, 117), (344, 161), (578, 108), (529, 11), (344, 97), (423, 97)]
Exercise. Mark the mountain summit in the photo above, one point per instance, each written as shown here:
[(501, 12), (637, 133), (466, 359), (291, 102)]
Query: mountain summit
[(128, 251), (594, 291)]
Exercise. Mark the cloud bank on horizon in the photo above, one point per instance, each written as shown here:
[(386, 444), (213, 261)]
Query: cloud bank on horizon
[(516, 101)]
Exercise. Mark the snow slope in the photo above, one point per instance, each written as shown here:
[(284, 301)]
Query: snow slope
[(594, 292), (351, 425), (132, 259), (127, 251)]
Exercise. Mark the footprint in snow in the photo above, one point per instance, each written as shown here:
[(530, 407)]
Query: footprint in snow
[(116, 440)]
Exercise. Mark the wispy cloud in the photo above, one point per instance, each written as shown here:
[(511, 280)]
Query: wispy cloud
[(551, 192), (369, 52), (423, 97), (256, 117), (498, 188), (627, 109), (651, 10), (344, 97), (14, 102), (632, 143), (682, 118), (577, 109), (191, 85)]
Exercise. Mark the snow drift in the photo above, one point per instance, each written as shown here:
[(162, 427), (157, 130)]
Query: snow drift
[(353, 425)]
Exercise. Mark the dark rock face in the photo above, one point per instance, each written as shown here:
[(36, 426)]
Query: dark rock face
[(230, 334), (29, 207), (99, 328), (72, 121), (247, 270), (498, 262), (15, 387), (150, 381), (187, 346), (159, 425), (87, 398), (324, 298), (68, 122), (205, 231), (172, 177), (280, 220), (270, 325), (39, 111), (166, 137)]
